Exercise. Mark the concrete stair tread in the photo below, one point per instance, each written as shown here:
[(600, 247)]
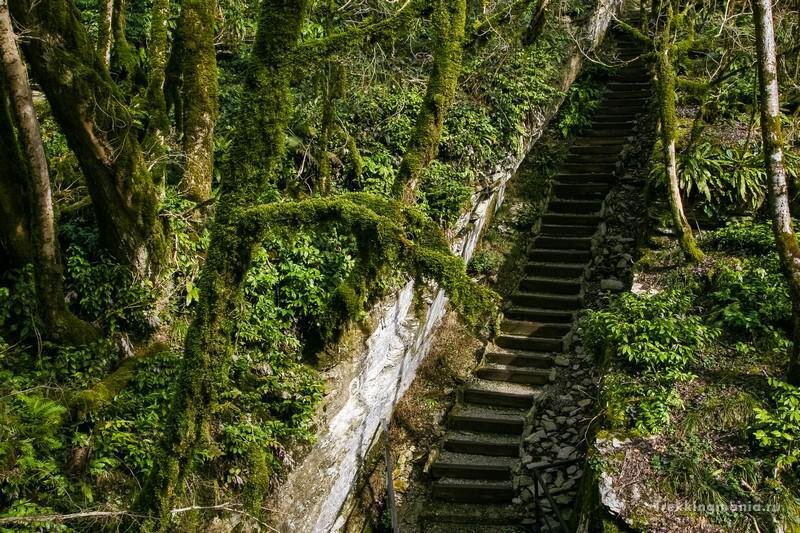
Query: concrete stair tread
[(519, 358), (516, 374), (471, 490), (559, 255), (567, 230), (530, 328), (465, 514), (550, 285), (446, 457), (518, 394), (479, 436), (520, 312), (488, 412), (545, 300)]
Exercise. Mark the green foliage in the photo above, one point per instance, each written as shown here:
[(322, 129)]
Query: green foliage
[(444, 192), (581, 101), (750, 296), (745, 236), (485, 263), (650, 333), (30, 446), (727, 178), (654, 338), (777, 429)]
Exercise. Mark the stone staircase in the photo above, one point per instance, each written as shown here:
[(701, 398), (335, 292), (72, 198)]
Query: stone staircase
[(473, 471)]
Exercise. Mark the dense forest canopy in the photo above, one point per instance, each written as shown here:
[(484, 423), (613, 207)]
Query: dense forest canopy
[(198, 197)]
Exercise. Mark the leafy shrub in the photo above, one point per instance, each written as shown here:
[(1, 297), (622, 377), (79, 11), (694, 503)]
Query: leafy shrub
[(444, 192), (649, 333), (750, 295), (745, 236), (778, 429), (582, 100), (654, 338), (485, 263), (30, 446)]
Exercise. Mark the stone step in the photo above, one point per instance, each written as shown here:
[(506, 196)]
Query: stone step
[(588, 167), (620, 104), (487, 419), (564, 242), (611, 114), (560, 256), (550, 285), (470, 466), (546, 301), (628, 85), (526, 343), (596, 150), (617, 142), (494, 394), (571, 178), (575, 206), (567, 230), (463, 516), (571, 220), (474, 491), (492, 444), (613, 133), (635, 92), (529, 328), (543, 268), (515, 374), (452, 527), (614, 123), (592, 158), (500, 356)]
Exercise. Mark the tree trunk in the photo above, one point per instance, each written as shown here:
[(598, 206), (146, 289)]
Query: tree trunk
[(104, 38), (785, 237), (449, 20), (99, 129), (256, 151), (121, 51), (199, 96), (52, 307), (665, 79), (14, 218), (158, 122)]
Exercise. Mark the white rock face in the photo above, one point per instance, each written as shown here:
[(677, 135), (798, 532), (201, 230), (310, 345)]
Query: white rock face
[(363, 390)]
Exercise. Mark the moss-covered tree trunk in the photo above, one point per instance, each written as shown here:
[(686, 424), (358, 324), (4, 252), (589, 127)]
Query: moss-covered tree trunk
[(665, 81), (788, 248), (104, 32), (449, 20), (157, 120), (255, 153), (99, 129), (199, 68), (122, 55), (14, 220), (52, 307)]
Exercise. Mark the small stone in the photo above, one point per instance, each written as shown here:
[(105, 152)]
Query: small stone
[(566, 452), (568, 484), (549, 425), (563, 499), (526, 495), (572, 469), (561, 419), (561, 360), (612, 285), (585, 403), (622, 264), (536, 436)]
